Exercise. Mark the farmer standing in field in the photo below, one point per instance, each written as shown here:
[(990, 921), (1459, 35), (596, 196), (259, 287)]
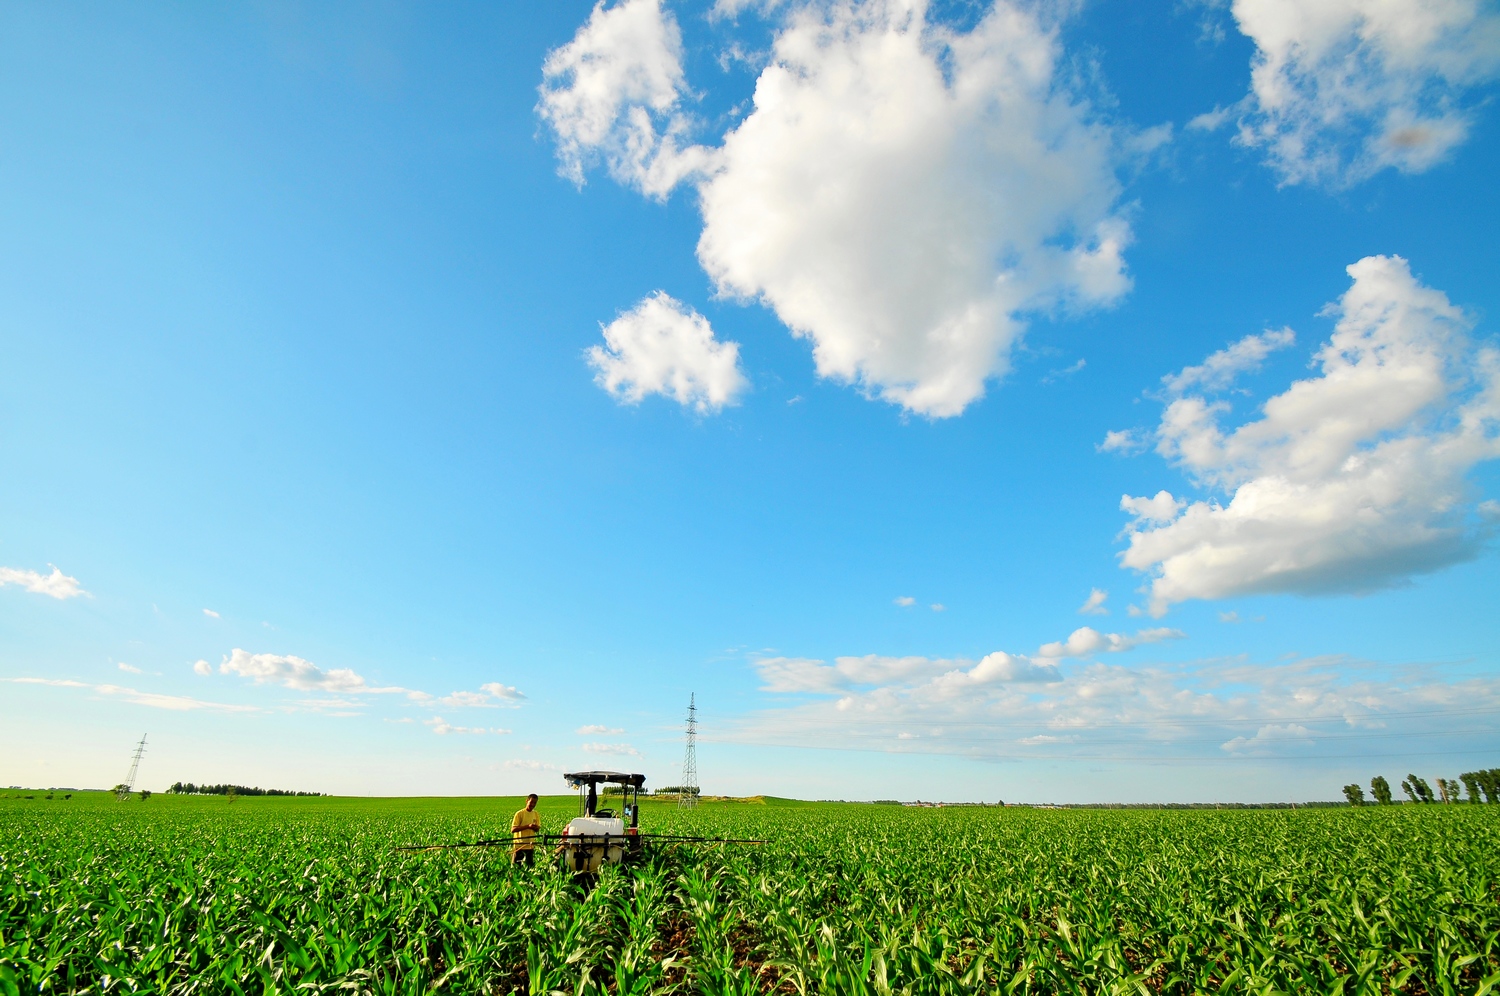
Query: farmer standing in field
[(523, 827)]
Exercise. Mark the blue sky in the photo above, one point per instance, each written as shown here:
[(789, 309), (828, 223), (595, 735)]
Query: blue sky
[(428, 401)]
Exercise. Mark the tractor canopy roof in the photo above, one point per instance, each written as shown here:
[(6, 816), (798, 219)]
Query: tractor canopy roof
[(580, 778)]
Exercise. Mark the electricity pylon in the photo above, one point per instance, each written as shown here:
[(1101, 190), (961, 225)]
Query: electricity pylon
[(687, 794), (123, 792)]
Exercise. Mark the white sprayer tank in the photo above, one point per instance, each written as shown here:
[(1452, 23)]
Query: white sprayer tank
[(592, 840)]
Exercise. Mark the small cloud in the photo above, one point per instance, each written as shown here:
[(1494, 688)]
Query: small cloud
[(1229, 617), (526, 764), (467, 700), (210, 613), (442, 728), (795, 400), (203, 667), (128, 668), (619, 750), (1067, 371), (1289, 734), (1123, 441), (662, 346), (905, 601), (499, 691), (597, 729), (939, 607), (403, 719), (1086, 640), (1219, 371), (55, 585), (1094, 604), (907, 736), (1162, 508), (1211, 120), (1134, 611)]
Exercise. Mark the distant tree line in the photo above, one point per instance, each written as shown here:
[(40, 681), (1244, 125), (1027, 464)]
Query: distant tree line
[(188, 788), (677, 790), (1484, 783)]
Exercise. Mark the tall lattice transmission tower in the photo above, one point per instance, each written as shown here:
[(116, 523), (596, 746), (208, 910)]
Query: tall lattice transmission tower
[(123, 791), (687, 794)]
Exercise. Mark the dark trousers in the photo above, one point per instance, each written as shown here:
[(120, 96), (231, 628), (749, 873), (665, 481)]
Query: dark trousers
[(524, 856)]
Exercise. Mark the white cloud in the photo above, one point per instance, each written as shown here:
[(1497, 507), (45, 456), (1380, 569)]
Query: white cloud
[(1229, 617), (202, 667), (55, 585), (905, 601), (174, 703), (295, 673), (442, 728), (615, 92), (210, 613), (619, 750), (526, 764), (1122, 441), (1341, 89), (901, 195), (938, 607), (462, 700), (804, 675), (128, 668), (1162, 508), (1219, 371), (1190, 711), (661, 346), (597, 729), (1086, 640), (1094, 604), (1272, 733), (1349, 481), (509, 693)]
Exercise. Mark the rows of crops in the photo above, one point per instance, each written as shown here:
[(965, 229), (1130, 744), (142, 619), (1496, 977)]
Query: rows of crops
[(272, 895)]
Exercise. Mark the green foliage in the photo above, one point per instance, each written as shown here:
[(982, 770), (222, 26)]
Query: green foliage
[(1355, 795), (309, 895), (1381, 790), (1487, 781), (1416, 789)]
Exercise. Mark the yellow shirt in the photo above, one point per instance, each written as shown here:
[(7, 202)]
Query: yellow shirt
[(523, 826)]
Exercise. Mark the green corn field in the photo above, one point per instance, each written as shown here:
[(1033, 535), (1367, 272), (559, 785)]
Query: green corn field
[(203, 895)]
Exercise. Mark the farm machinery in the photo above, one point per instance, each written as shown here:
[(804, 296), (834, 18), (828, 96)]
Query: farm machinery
[(598, 835)]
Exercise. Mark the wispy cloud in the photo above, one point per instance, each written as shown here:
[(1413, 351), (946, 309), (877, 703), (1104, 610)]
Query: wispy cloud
[(905, 601), (210, 613), (442, 728), (1086, 640), (597, 729), (1094, 604), (619, 750), (1200, 710), (55, 585), (153, 700), (527, 764)]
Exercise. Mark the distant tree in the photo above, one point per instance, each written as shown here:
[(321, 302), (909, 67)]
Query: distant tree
[(1354, 794), (1417, 788), (230, 793), (145, 794), (1489, 782), (1381, 790)]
